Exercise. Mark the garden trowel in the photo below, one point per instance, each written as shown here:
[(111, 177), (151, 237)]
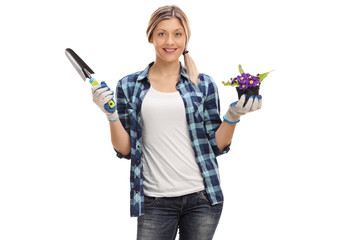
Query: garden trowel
[(84, 70)]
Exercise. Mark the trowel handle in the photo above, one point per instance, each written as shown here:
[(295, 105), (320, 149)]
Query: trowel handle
[(111, 102)]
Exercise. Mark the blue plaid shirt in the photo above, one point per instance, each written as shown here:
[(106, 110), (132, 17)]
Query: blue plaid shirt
[(202, 106)]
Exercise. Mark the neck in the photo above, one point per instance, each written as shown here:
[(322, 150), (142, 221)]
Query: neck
[(166, 68)]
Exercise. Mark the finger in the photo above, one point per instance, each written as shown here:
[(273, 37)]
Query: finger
[(255, 104), (107, 93), (241, 101), (103, 84), (100, 91), (250, 102), (107, 98), (96, 87), (260, 101), (234, 103)]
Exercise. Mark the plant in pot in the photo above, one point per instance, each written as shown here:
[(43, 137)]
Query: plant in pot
[(246, 83)]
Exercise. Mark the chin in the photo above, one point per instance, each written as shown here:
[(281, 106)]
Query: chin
[(169, 59)]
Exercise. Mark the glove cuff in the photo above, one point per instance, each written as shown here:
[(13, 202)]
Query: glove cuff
[(112, 117), (230, 121)]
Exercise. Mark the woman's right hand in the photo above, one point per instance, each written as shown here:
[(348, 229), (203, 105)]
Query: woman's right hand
[(102, 94)]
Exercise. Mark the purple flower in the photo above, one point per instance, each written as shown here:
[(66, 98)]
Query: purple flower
[(243, 85), (243, 78), (253, 81), (245, 75), (233, 80)]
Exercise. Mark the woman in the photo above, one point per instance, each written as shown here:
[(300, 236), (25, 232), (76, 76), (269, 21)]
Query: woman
[(167, 122)]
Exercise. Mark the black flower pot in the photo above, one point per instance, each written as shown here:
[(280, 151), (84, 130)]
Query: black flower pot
[(251, 91)]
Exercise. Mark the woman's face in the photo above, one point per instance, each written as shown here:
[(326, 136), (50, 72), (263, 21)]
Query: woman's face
[(169, 40)]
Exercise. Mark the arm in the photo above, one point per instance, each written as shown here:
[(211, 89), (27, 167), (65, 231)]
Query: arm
[(224, 134), (219, 133), (120, 129), (120, 139), (118, 117), (237, 109)]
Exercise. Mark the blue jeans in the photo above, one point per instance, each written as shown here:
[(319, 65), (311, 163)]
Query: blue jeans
[(192, 214)]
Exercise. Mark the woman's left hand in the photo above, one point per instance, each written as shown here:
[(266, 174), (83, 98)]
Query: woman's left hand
[(237, 108)]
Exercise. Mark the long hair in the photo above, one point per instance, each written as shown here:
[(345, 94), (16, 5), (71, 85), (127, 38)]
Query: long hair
[(168, 12)]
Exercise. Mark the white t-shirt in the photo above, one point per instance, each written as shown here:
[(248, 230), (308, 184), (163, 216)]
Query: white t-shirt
[(169, 165)]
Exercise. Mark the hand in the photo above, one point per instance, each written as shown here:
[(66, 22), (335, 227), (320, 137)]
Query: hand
[(237, 108), (102, 94)]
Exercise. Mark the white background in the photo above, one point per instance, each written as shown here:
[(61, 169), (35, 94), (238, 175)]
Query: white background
[(293, 168)]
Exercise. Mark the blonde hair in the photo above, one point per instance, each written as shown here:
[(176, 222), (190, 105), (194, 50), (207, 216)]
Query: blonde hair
[(168, 12)]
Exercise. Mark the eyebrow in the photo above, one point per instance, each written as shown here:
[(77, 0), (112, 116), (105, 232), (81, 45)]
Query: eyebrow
[(161, 29)]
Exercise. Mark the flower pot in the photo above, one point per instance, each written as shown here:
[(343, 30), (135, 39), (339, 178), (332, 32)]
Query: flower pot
[(251, 91)]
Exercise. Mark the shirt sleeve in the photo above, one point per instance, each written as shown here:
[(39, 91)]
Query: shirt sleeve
[(122, 108), (212, 120)]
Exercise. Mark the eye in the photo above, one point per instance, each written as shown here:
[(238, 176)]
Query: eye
[(161, 34), (178, 34)]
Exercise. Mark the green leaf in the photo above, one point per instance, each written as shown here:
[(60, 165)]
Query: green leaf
[(241, 70), (228, 83), (263, 75)]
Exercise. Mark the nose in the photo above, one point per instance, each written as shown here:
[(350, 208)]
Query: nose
[(170, 40)]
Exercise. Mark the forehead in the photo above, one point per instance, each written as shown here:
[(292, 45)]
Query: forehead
[(170, 24)]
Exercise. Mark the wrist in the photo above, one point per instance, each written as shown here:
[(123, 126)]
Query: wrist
[(232, 122), (112, 117)]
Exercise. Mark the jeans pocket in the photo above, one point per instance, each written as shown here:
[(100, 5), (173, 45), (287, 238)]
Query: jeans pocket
[(149, 201), (203, 195)]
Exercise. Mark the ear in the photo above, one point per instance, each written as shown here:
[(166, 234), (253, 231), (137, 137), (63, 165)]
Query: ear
[(151, 40)]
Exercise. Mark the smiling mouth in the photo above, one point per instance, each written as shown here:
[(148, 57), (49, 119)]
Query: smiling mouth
[(169, 50)]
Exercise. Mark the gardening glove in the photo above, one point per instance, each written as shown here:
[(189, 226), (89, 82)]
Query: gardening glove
[(237, 108), (102, 94)]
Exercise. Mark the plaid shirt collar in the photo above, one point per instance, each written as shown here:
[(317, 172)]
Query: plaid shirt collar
[(144, 74)]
